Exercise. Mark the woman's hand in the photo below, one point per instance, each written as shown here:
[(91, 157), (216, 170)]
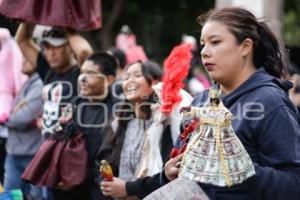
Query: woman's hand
[(115, 188), (172, 167)]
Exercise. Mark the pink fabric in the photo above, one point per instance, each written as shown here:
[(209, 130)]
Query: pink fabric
[(11, 77), (3, 118), (134, 52), (202, 78)]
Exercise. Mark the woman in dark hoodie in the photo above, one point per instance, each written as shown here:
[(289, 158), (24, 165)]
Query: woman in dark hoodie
[(244, 57)]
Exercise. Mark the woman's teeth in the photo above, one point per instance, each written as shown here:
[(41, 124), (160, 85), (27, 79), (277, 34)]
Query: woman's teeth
[(131, 89)]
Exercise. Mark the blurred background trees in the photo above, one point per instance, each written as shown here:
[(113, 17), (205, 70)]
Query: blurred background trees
[(159, 25), (291, 22), (291, 30)]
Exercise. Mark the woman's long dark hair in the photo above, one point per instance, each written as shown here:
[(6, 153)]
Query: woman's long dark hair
[(243, 24), (111, 148)]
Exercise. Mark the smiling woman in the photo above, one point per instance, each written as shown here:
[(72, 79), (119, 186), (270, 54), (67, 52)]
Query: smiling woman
[(137, 82), (139, 118), (128, 129)]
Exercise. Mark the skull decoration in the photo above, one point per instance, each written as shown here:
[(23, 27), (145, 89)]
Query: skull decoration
[(50, 115), (52, 94)]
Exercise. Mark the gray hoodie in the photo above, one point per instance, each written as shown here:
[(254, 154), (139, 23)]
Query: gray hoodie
[(24, 138)]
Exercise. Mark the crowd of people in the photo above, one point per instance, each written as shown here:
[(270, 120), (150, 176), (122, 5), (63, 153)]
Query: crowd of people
[(60, 84)]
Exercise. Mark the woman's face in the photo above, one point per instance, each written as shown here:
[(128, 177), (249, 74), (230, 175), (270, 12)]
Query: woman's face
[(221, 54), (136, 88)]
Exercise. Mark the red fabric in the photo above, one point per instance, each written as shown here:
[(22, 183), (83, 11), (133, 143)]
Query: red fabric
[(42, 170), (185, 137), (76, 14), (73, 163), (59, 160), (176, 68), (189, 129), (175, 152)]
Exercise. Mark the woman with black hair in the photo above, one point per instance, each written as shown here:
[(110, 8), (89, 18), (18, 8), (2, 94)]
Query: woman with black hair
[(126, 144), (244, 57)]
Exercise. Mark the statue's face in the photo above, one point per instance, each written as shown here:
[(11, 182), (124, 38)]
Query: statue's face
[(215, 102)]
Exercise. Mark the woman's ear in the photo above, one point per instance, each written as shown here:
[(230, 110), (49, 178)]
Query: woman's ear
[(247, 46)]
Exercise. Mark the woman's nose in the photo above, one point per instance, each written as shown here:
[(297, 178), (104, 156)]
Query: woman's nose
[(204, 51)]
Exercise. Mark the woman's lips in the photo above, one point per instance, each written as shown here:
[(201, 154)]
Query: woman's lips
[(209, 66)]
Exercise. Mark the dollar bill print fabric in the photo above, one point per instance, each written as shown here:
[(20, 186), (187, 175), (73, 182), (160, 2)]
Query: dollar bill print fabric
[(214, 154)]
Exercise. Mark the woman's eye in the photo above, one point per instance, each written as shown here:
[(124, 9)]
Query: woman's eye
[(215, 42), (127, 77), (202, 46)]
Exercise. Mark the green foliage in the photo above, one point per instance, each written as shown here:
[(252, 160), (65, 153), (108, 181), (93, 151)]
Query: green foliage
[(291, 23), (159, 24)]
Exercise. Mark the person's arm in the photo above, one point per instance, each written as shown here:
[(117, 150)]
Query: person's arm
[(24, 39), (119, 188), (30, 50), (144, 186), (27, 110), (278, 166), (80, 46)]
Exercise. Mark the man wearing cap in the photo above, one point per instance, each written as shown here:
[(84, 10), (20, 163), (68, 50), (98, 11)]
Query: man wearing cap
[(57, 66)]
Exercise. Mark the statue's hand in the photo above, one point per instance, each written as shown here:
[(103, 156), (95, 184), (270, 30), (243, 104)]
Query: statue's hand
[(185, 109)]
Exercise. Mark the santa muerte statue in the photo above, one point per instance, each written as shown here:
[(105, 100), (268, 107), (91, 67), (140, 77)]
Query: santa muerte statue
[(214, 154)]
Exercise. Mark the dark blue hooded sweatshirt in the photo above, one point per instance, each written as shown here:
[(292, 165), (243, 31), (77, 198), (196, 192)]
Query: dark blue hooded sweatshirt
[(267, 123)]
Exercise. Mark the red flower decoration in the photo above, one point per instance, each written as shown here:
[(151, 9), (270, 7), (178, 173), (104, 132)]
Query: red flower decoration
[(185, 137), (176, 68)]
